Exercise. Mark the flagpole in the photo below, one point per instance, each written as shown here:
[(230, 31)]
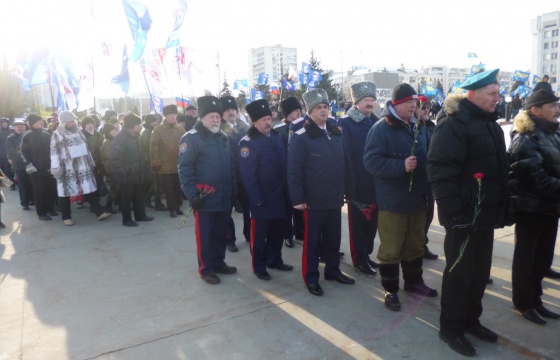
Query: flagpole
[(146, 81), (93, 84)]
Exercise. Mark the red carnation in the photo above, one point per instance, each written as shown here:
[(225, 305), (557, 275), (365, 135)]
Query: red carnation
[(199, 186), (478, 175)]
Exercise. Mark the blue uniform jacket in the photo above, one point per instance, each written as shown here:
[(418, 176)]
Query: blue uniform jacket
[(262, 167), (205, 158), (388, 144), (316, 167), (360, 184), (299, 123)]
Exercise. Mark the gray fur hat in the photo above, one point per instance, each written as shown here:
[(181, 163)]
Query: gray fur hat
[(362, 90), (315, 97)]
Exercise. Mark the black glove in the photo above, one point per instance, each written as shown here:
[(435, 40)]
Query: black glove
[(196, 203), (461, 227)]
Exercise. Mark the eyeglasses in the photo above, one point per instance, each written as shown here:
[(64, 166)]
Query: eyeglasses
[(426, 107)]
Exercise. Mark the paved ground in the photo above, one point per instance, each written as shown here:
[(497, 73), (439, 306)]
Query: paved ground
[(99, 290)]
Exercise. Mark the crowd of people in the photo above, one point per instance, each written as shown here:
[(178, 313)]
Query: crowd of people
[(291, 178)]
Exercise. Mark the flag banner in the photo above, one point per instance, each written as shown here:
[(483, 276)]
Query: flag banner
[(274, 89), (523, 91), (521, 76), (154, 71), (182, 102), (256, 95), (288, 85), (64, 88), (237, 85), (156, 104), (472, 55), (503, 89), (303, 79), (263, 79), (439, 96), (475, 69), (428, 90), (315, 76), (185, 65), (292, 73), (311, 85), (123, 79), (139, 21), (86, 95), (244, 83), (558, 90), (456, 89), (536, 79), (179, 15), (305, 68)]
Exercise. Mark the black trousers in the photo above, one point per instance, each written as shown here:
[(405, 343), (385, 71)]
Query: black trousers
[(429, 215), (24, 186), (535, 238), (362, 233), (210, 235), (321, 226), (44, 192), (132, 199), (266, 243), (92, 199), (172, 188), (463, 288)]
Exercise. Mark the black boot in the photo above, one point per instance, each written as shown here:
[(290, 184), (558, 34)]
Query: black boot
[(158, 205), (390, 282), (413, 280)]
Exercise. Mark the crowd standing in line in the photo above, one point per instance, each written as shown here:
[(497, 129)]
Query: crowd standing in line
[(291, 177)]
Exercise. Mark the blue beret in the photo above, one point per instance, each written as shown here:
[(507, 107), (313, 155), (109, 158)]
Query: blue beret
[(481, 80)]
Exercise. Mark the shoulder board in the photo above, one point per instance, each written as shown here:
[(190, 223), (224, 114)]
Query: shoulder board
[(245, 138), (279, 125), (300, 131), (298, 120), (192, 131)]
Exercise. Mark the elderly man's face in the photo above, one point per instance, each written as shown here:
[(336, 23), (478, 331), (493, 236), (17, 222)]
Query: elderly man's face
[(212, 121), (19, 129), (365, 106), (549, 112), (230, 115), (264, 125)]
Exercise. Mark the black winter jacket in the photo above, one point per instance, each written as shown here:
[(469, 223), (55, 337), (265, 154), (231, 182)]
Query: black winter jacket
[(36, 149), (534, 176), (129, 167), (467, 141), (13, 149)]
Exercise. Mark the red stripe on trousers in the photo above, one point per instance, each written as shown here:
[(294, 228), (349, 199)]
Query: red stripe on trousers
[(253, 227), (304, 264), (198, 243)]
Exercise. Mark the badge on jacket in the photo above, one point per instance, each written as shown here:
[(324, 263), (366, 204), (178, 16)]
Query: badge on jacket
[(183, 148), (244, 151)]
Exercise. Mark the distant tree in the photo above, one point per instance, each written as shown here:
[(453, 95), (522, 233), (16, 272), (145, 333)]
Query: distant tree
[(208, 92), (11, 95), (326, 82), (225, 90), (241, 99)]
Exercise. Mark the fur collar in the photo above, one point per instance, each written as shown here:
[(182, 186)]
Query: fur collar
[(254, 133), (451, 104), (315, 132), (524, 123), (355, 114)]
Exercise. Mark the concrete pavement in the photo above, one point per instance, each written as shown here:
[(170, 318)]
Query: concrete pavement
[(99, 290)]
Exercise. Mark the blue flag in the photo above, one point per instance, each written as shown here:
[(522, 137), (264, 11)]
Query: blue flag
[(311, 85), (439, 97), (536, 79), (123, 79), (456, 89), (263, 79), (256, 95), (237, 85), (315, 76), (428, 90), (288, 85), (156, 104), (302, 79), (472, 55), (503, 88), (523, 91), (179, 15), (521, 76), (139, 21), (305, 68)]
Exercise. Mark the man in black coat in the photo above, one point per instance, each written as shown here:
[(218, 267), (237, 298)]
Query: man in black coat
[(466, 142), (129, 169), (543, 85), (13, 150), (535, 200)]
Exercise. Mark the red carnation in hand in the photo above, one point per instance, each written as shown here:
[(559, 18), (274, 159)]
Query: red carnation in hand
[(199, 186), (478, 175)]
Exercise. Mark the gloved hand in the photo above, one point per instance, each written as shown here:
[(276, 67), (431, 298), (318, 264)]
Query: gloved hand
[(30, 169), (461, 227), (196, 203)]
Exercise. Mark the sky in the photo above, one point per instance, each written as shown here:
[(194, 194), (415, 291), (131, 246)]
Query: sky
[(341, 34)]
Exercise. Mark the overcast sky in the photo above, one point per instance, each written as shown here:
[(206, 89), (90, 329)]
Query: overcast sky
[(351, 32)]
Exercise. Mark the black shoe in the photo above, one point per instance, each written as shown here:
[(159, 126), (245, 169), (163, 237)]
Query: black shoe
[(145, 218), (26, 208), (343, 279), (428, 255), (340, 253), (366, 269), (180, 212), (458, 343), (281, 267), (225, 269), (130, 223), (2, 225), (490, 281), (552, 274), (159, 206), (392, 301), (482, 332), (373, 264), (52, 213), (289, 243), (533, 315), (263, 275), (232, 247), (546, 313), (173, 214), (315, 289), (45, 217), (211, 279), (420, 289)]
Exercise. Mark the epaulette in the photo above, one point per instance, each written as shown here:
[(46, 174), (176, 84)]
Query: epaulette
[(298, 120), (245, 138), (300, 131), (279, 125), (192, 131)]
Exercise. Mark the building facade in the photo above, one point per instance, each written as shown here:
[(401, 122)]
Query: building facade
[(272, 60), (545, 31)]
